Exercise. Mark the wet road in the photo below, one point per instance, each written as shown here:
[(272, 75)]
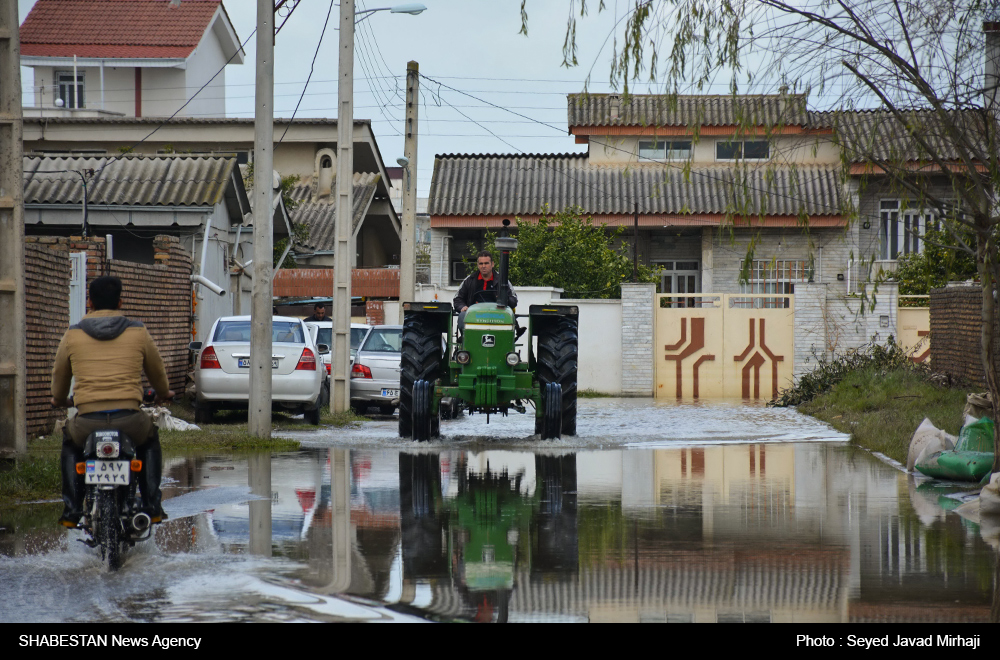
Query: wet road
[(655, 512)]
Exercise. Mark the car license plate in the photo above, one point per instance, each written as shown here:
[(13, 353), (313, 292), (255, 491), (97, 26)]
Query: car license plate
[(113, 473), (390, 393), (244, 363)]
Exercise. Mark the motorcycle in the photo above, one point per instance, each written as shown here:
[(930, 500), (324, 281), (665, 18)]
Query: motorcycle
[(112, 518)]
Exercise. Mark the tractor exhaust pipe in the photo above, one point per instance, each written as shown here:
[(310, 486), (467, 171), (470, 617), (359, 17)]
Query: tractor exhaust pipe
[(506, 245)]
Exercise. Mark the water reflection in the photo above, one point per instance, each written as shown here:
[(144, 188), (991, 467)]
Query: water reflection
[(742, 532)]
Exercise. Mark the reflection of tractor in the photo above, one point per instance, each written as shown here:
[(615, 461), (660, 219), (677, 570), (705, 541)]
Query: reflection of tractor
[(481, 365), (490, 530)]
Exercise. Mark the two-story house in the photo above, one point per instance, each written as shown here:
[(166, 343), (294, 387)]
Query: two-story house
[(133, 58), (697, 179)]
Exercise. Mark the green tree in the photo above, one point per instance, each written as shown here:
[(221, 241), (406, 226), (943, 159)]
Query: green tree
[(938, 264), (568, 251), (931, 132)]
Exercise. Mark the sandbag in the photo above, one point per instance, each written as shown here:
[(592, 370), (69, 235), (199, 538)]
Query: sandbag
[(978, 406), (164, 420), (989, 497), (927, 435), (976, 436), (955, 465)]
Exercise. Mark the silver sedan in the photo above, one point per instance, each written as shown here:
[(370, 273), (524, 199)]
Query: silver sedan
[(375, 373)]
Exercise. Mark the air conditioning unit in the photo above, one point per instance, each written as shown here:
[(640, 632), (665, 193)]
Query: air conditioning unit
[(460, 270)]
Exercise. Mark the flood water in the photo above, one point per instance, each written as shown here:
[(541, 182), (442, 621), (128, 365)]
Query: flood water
[(655, 513)]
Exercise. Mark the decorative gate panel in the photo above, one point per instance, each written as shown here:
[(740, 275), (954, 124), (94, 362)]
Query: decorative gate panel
[(733, 346)]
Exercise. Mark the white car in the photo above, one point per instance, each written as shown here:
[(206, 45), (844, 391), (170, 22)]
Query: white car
[(322, 333), (376, 369), (222, 369)]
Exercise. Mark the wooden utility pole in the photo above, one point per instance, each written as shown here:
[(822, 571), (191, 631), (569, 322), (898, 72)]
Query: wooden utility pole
[(407, 232), (262, 301), (13, 325), (343, 257)]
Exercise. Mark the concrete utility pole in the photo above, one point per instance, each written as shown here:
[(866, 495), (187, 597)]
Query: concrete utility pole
[(13, 324), (262, 302), (407, 233), (343, 260)]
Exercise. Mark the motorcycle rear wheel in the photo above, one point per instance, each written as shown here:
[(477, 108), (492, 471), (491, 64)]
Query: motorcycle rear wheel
[(109, 529)]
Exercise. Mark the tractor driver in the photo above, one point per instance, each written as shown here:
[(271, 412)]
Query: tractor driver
[(484, 279)]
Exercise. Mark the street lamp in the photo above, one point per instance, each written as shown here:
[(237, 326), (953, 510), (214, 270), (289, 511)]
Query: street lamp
[(340, 385)]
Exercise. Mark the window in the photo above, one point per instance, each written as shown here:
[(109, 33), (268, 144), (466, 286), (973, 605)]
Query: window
[(742, 150), (901, 230), (64, 89), (664, 149), (773, 277), (680, 277)]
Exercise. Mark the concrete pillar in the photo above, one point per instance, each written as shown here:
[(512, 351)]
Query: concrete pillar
[(810, 326), (637, 339), (707, 260), (881, 321)]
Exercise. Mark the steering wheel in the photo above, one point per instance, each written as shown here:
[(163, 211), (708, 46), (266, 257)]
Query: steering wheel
[(484, 296)]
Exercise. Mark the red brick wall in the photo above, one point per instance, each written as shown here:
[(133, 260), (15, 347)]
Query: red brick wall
[(956, 320), (47, 273), (157, 294)]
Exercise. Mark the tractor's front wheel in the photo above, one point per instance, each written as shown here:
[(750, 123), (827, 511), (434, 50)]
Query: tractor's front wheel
[(557, 363), (426, 425), (421, 359), (552, 411)]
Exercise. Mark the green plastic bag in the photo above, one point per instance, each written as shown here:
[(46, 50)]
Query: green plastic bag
[(976, 436)]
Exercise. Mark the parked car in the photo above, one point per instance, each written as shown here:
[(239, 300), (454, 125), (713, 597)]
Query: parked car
[(222, 370), (375, 372), (322, 333)]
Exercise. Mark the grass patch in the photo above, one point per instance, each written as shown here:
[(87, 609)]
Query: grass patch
[(882, 408), (36, 475), (593, 394)]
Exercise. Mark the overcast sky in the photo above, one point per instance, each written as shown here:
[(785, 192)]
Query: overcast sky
[(465, 48)]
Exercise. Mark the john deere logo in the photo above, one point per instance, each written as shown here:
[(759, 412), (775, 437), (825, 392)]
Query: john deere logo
[(489, 341)]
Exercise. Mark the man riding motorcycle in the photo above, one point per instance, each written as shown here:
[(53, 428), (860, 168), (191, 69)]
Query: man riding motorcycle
[(106, 353)]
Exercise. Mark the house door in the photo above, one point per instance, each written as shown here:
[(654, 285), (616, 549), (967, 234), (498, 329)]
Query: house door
[(77, 286), (680, 277)]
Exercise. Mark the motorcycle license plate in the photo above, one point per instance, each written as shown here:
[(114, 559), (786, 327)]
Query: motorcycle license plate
[(113, 473), (390, 393), (244, 363)]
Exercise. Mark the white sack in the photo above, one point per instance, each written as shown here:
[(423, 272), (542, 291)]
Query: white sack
[(927, 437)]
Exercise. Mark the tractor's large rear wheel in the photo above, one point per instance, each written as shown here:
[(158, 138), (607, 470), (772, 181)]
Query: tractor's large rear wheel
[(557, 363), (421, 359)]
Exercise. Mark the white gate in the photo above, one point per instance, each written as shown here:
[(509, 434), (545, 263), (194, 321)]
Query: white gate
[(77, 286)]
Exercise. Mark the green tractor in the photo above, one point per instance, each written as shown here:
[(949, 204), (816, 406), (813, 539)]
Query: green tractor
[(480, 365)]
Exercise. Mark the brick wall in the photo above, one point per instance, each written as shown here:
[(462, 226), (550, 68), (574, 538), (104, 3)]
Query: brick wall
[(956, 319), (637, 339), (47, 274), (157, 294)]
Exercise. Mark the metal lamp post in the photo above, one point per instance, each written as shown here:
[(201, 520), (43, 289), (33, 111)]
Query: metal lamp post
[(340, 390)]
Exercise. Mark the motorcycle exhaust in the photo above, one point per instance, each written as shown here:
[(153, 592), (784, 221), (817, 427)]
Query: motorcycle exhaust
[(140, 522)]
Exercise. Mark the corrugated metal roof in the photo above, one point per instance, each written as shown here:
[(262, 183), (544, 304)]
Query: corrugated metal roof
[(666, 110), (877, 135), (523, 185), (162, 180), (320, 215)]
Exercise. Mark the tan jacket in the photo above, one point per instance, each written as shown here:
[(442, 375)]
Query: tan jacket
[(106, 353)]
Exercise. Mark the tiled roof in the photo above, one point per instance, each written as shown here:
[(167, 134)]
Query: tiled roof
[(771, 110), (867, 135), (131, 181), (321, 215), (522, 185), (115, 28)]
